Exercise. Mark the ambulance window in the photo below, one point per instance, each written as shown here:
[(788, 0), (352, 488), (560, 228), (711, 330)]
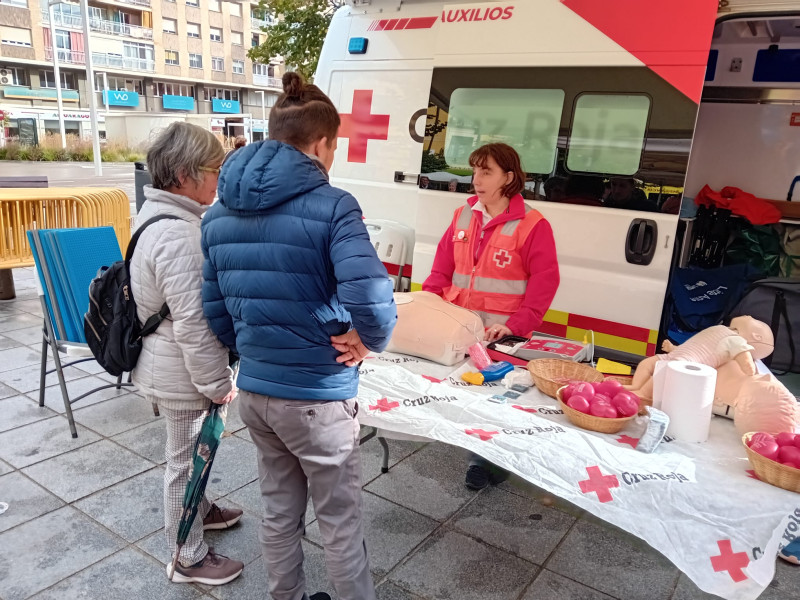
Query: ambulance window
[(608, 133), (526, 119)]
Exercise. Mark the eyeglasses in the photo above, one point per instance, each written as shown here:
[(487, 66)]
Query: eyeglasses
[(209, 170)]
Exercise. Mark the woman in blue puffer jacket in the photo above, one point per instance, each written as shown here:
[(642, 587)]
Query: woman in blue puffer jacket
[(294, 287)]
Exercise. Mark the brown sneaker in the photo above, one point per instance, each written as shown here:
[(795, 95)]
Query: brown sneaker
[(214, 569), (221, 518)]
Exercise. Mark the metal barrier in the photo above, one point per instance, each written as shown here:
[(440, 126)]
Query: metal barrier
[(22, 209)]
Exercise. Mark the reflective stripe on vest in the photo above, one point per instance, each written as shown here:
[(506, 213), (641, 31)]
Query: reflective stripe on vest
[(495, 285)]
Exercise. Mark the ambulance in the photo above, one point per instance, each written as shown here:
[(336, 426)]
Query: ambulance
[(669, 95)]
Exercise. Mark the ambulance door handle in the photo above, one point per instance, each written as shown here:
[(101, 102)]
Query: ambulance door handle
[(402, 177), (640, 246)]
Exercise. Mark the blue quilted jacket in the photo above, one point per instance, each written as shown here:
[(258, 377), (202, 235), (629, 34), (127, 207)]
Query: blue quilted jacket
[(288, 263)]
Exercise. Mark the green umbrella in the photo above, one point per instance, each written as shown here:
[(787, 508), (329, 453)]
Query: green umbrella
[(203, 456)]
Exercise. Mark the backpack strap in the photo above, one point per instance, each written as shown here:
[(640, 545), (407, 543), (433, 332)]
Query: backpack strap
[(140, 230), (155, 320)]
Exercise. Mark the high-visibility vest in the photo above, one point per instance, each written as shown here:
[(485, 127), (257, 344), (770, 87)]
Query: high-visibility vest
[(495, 285)]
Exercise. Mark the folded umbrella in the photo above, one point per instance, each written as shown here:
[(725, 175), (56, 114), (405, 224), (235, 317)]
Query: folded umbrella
[(203, 456)]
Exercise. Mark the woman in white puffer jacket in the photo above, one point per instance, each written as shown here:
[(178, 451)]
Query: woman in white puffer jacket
[(183, 366)]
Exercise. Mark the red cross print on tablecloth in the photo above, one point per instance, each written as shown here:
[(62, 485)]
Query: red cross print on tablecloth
[(752, 474), (527, 409), (383, 405), (484, 435), (361, 125), (626, 439), (433, 379), (732, 562), (502, 258), (599, 483)]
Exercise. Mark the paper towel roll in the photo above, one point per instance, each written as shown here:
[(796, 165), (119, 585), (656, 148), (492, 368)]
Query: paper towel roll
[(659, 374), (687, 398)]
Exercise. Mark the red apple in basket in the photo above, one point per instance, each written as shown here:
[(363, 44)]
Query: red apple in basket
[(609, 387), (785, 439), (579, 403), (765, 445), (626, 403), (603, 409)]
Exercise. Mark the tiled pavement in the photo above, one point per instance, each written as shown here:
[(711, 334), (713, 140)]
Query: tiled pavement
[(85, 515)]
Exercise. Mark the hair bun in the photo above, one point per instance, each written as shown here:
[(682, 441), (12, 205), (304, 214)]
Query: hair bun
[(292, 84)]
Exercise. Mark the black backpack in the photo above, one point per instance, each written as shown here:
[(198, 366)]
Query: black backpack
[(776, 302), (110, 325)]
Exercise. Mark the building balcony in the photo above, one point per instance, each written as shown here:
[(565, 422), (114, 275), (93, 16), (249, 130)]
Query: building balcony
[(257, 24), (99, 25), (116, 61), (266, 81), (66, 56)]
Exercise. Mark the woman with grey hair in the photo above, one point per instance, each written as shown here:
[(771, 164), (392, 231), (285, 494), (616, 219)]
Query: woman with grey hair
[(183, 366)]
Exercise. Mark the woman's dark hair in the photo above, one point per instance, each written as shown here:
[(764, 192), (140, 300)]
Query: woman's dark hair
[(508, 160), (303, 114)]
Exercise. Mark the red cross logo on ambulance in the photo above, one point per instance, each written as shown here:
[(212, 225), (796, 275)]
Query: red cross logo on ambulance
[(502, 258)]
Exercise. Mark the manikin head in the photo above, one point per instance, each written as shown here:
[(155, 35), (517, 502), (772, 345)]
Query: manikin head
[(757, 334)]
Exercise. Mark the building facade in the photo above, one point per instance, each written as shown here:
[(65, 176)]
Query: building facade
[(159, 56)]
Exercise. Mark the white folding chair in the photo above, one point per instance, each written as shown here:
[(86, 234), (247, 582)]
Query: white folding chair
[(394, 243)]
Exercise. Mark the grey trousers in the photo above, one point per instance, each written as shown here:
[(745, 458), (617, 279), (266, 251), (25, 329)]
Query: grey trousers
[(307, 447)]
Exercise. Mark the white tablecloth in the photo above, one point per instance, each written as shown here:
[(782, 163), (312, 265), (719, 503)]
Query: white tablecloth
[(698, 504)]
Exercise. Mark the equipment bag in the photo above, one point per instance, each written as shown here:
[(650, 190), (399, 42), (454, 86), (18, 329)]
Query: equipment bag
[(776, 302), (111, 326)]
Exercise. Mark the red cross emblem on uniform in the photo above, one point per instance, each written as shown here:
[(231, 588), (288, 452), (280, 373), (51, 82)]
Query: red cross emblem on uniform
[(361, 125), (502, 258)]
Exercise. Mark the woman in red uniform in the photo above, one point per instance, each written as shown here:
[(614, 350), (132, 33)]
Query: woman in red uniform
[(497, 257)]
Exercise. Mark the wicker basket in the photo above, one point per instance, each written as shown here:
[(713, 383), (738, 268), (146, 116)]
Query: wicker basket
[(623, 379), (590, 422), (549, 374), (770, 471)]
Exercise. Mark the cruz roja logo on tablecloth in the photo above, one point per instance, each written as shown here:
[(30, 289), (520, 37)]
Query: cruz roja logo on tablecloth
[(422, 400), (732, 562)]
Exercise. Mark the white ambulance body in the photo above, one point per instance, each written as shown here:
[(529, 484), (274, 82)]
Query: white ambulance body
[(578, 87)]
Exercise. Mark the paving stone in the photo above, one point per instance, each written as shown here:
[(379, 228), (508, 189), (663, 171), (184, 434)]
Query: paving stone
[(240, 541), (21, 410), (27, 336), (551, 586), (39, 441), (7, 342), (26, 500), (391, 532), (389, 591), (451, 565), (518, 525), (33, 307), (430, 481), (42, 552), (77, 474), (91, 366), (16, 321), (372, 456), (155, 545), (785, 585), (235, 465), (14, 358), (521, 487), (687, 590), (5, 468), (77, 387), (125, 575), (116, 415), (250, 585), (601, 557), (148, 441), (26, 379), (7, 392), (244, 434), (133, 508)]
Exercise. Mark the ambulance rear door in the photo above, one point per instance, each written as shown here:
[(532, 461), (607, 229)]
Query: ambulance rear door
[(596, 93)]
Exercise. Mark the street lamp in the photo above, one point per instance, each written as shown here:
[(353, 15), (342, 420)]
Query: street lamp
[(57, 72), (263, 115), (98, 161)]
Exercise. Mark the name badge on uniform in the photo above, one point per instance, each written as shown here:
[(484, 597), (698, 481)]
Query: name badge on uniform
[(461, 236)]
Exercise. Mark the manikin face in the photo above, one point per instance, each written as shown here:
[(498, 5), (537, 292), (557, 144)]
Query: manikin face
[(489, 180)]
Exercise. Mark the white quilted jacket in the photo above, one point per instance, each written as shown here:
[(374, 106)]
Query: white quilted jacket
[(182, 364)]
